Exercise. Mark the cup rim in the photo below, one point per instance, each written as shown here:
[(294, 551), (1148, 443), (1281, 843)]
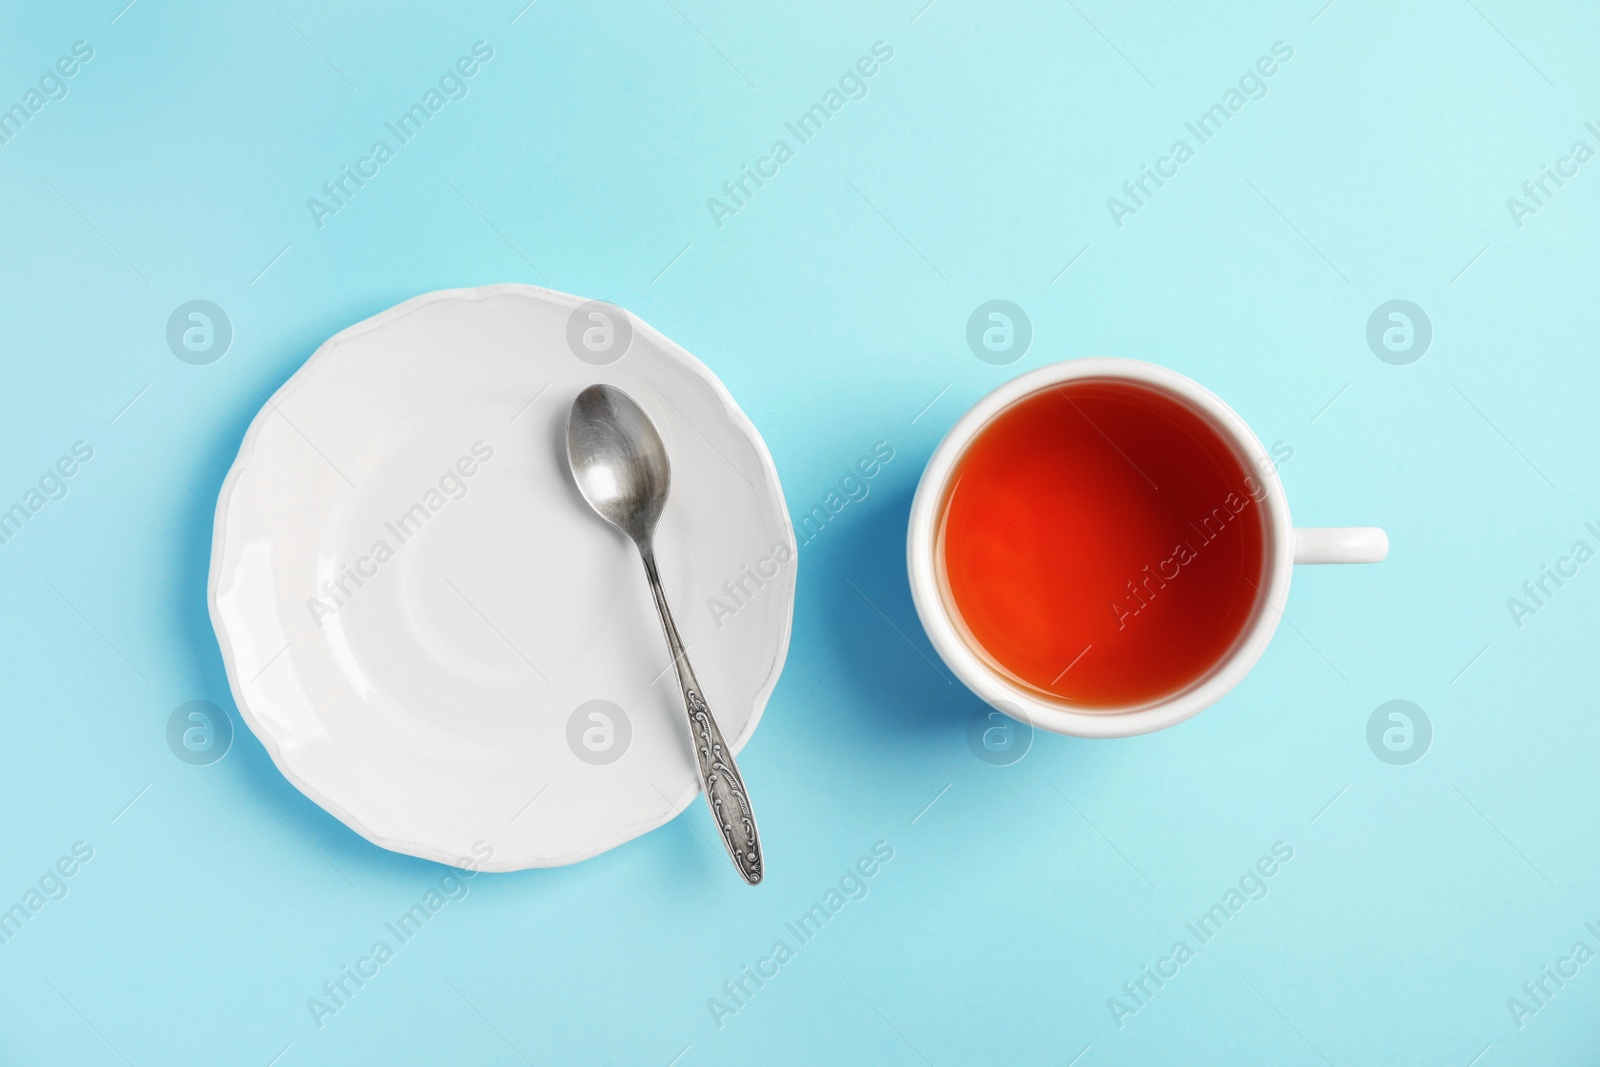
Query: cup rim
[(1006, 696)]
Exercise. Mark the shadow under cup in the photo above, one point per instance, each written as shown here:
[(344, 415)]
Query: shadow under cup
[(1103, 545)]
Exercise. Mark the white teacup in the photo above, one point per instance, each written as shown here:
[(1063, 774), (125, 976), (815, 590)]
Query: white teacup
[(1283, 545)]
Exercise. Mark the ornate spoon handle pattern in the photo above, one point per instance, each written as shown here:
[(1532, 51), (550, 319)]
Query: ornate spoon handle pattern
[(719, 775)]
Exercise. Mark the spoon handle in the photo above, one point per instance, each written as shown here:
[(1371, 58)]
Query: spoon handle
[(724, 788)]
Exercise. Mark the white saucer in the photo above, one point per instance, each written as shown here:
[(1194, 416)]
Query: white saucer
[(441, 705)]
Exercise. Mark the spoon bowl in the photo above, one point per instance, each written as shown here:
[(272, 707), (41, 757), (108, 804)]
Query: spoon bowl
[(618, 460)]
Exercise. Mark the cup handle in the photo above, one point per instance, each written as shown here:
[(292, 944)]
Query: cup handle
[(1340, 544)]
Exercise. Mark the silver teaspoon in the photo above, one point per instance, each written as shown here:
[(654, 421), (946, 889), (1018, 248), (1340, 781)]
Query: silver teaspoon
[(621, 468)]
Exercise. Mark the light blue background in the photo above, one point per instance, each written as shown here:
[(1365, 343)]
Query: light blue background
[(834, 306)]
